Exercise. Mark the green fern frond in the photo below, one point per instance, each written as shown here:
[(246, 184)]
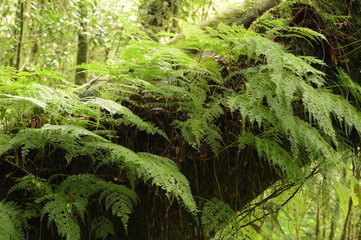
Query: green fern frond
[(163, 172), (79, 141), (4, 143), (128, 117), (11, 221), (60, 211), (7, 74), (216, 215), (20, 98), (120, 200), (350, 86), (102, 228), (68, 137), (279, 28), (32, 183), (199, 127), (322, 104), (80, 188), (279, 158)]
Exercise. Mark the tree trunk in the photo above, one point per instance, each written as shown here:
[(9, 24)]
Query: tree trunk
[(241, 14), (81, 57), (21, 32)]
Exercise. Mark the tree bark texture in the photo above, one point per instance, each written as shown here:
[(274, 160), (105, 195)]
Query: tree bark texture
[(21, 32), (241, 14), (82, 52)]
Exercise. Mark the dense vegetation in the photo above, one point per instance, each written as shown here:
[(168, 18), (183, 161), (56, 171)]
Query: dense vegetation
[(246, 126)]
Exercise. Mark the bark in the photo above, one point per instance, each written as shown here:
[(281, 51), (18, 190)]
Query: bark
[(21, 31), (81, 58), (241, 14)]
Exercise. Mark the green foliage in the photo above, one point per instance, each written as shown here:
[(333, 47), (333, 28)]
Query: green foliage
[(102, 227), (67, 203), (128, 118), (59, 211), (161, 171), (120, 200), (216, 215), (11, 219)]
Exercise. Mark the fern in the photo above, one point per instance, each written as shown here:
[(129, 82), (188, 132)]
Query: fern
[(117, 197), (60, 211), (31, 183), (11, 220), (70, 200), (120, 200), (28, 99), (162, 171), (271, 89), (216, 215), (102, 228), (200, 126), (269, 148), (78, 141), (350, 86), (63, 136), (128, 118)]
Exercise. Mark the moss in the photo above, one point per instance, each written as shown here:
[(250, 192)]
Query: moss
[(242, 14)]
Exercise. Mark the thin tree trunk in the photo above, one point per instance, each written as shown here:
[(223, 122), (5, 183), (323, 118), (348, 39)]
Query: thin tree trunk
[(20, 40), (345, 231), (317, 229), (332, 231), (81, 58)]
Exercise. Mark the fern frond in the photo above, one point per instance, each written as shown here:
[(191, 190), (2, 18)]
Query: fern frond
[(11, 221), (128, 117), (323, 103), (279, 158), (80, 188), (351, 87), (102, 228), (120, 200), (200, 126), (68, 137), (4, 143), (28, 99), (32, 183), (163, 172), (216, 215), (60, 211)]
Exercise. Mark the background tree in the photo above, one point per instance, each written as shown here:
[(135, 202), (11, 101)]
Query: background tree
[(82, 50)]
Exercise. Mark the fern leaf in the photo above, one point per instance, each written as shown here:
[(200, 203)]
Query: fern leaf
[(216, 215), (28, 99), (68, 137), (163, 172), (120, 200), (30, 182), (102, 228), (129, 118), (11, 225), (59, 211)]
